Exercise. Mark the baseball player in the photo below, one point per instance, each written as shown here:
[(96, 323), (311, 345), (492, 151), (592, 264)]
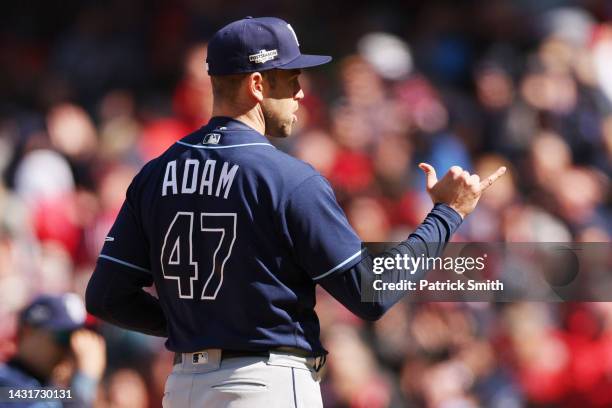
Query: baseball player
[(236, 234)]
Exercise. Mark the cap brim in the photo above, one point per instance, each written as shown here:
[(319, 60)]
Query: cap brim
[(306, 61)]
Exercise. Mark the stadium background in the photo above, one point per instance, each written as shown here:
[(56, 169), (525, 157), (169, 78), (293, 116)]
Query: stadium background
[(90, 92)]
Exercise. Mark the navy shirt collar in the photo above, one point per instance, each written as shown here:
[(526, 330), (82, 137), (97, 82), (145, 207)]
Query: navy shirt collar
[(228, 123), (231, 132)]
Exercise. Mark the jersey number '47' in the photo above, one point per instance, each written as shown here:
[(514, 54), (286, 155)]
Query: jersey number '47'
[(179, 261)]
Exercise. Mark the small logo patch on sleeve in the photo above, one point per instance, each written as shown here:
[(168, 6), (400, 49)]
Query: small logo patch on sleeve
[(212, 138)]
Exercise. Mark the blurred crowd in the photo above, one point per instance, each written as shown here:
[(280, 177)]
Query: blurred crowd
[(92, 92)]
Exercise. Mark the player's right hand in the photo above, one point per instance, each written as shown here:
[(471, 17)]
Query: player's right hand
[(458, 189)]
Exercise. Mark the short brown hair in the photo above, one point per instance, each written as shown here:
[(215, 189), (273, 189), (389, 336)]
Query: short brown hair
[(225, 87)]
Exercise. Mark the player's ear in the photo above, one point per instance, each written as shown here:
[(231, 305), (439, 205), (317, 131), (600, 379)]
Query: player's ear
[(256, 85)]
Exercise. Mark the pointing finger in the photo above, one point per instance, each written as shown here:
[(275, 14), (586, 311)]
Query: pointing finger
[(486, 183), (430, 174)]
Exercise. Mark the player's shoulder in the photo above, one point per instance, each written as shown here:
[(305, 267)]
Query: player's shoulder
[(254, 155), (284, 169), (289, 165)]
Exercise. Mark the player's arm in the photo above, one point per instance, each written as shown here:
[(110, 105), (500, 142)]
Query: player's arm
[(320, 228), (455, 195), (429, 239), (115, 291), (115, 294)]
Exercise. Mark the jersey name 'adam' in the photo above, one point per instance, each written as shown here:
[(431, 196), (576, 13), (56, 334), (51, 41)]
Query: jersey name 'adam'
[(199, 177)]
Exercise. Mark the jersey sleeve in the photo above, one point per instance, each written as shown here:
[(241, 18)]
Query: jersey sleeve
[(126, 243), (317, 230)]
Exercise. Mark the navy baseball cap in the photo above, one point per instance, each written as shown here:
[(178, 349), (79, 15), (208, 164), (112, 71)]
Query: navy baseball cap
[(57, 313), (257, 44)]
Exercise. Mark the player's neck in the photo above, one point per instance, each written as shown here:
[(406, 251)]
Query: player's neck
[(253, 117)]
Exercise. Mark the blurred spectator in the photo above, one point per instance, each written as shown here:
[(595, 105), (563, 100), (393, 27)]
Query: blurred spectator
[(53, 349), (357, 381), (127, 389)]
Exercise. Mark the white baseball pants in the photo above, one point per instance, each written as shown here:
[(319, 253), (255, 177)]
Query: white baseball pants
[(203, 380)]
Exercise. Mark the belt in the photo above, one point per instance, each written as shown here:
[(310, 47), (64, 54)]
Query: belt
[(319, 361), (225, 354)]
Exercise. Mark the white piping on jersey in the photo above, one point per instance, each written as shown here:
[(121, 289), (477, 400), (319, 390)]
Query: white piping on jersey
[(224, 147), (335, 268), (119, 261)]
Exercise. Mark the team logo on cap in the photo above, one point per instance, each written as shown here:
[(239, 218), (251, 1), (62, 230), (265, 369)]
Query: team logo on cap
[(39, 314), (263, 56), (211, 138)]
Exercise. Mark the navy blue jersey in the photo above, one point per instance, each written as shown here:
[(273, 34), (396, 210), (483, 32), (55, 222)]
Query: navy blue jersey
[(235, 234)]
